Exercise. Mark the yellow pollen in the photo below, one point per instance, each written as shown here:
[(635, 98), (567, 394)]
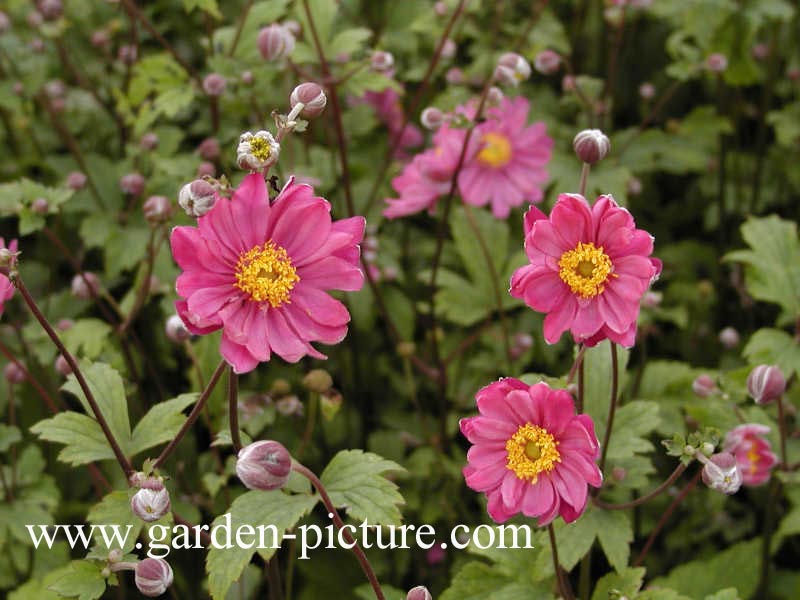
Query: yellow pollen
[(530, 451), (752, 456), (585, 269), (260, 148), (267, 274), (496, 150)]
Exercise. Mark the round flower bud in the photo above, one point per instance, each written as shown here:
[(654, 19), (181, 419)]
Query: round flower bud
[(512, 69), (157, 209), (652, 299), (40, 206), (5, 22), (36, 45), (454, 76), (14, 373), (55, 88), (65, 324), (214, 84), (51, 9), (318, 380), (634, 186), (311, 96), (76, 180), (435, 555), (153, 577), (62, 366), (280, 387), (729, 338), (247, 77), (703, 386), (717, 62), (209, 149), (275, 42), (722, 473), (264, 465), (257, 150), (115, 556), (619, 474), (440, 8), (205, 169), (149, 141), (100, 38), (432, 118), (85, 286), (449, 48), (150, 505), (766, 384), (647, 90), (176, 330), (197, 197), (494, 96), (127, 54), (132, 184), (547, 62), (591, 146), (18, 88), (381, 61), (419, 593), (760, 51)]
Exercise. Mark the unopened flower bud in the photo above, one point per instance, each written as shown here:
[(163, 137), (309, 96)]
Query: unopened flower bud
[(214, 84), (381, 61), (36, 45), (618, 474), (76, 180), (454, 76), (547, 62), (311, 96), (722, 473), (330, 402), (14, 373), (264, 465), (634, 186), (406, 349), (153, 577), (449, 48), (62, 366), (766, 384), (432, 118), (707, 449), (65, 324), (115, 556), (591, 146), (209, 149), (85, 286), (55, 88), (729, 338), (257, 150), (318, 380), (205, 169), (440, 8), (100, 38), (127, 54), (150, 505), (149, 141), (275, 42), (703, 386), (157, 209), (51, 9), (247, 77), (419, 593), (40, 206), (647, 90), (280, 387), (512, 69), (197, 197), (289, 406), (494, 97), (717, 62), (652, 299), (5, 22), (132, 184)]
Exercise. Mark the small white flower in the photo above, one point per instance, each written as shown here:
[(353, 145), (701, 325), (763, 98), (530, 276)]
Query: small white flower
[(257, 150)]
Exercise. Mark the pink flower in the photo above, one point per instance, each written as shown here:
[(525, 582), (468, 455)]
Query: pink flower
[(6, 287), (259, 271), (752, 452), (531, 453), (389, 111), (589, 269), (507, 160)]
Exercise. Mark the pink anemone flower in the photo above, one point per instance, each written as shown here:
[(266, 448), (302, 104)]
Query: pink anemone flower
[(259, 271), (531, 454), (753, 453), (589, 268), (6, 287)]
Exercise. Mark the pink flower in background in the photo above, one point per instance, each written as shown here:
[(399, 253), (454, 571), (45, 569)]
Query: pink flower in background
[(389, 111), (507, 159), (6, 287), (259, 271), (531, 453), (589, 269), (753, 453)]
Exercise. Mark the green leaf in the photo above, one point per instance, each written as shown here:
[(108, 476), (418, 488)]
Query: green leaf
[(632, 423), (115, 509), (354, 480), (254, 508), (161, 423), (773, 347), (475, 581), (323, 13), (349, 41), (208, 6), (9, 435), (82, 581), (87, 337), (82, 437), (615, 533), (624, 583)]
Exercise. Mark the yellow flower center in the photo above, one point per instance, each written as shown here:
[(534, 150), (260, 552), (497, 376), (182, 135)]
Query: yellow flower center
[(496, 151), (260, 148), (531, 450), (267, 274), (585, 269)]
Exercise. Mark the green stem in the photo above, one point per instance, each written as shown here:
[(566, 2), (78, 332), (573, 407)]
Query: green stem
[(233, 409)]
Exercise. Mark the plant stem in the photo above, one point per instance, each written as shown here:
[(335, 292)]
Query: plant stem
[(612, 409), (641, 500), (563, 584), (576, 363), (584, 178), (123, 461), (48, 399), (782, 431), (242, 19), (198, 408), (233, 409), (769, 524), (337, 520)]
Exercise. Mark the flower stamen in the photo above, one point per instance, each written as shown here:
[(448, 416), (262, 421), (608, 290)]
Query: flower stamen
[(266, 273), (585, 269), (496, 151), (530, 451)]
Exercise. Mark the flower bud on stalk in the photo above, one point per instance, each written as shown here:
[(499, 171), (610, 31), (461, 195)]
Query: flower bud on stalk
[(310, 98), (62, 366), (132, 184), (766, 384), (76, 180), (153, 577), (209, 149), (494, 96), (512, 69), (150, 504), (703, 386), (264, 465), (275, 42), (157, 209), (419, 593), (547, 62), (214, 84), (432, 118), (149, 141), (729, 338), (717, 62), (318, 380), (40, 206), (591, 146), (197, 197), (85, 286), (721, 472), (14, 373), (381, 61)]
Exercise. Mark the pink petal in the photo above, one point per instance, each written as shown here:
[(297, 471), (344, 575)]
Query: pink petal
[(237, 356), (539, 498), (560, 319)]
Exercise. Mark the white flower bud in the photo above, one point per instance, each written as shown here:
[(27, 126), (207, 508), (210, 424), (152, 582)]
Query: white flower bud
[(257, 150), (150, 505), (153, 577), (197, 197)]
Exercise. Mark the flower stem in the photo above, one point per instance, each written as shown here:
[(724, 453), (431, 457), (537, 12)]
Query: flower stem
[(639, 501), (584, 178), (242, 20), (563, 584), (578, 362), (48, 399), (123, 461), (198, 408), (782, 430), (337, 520), (233, 409), (612, 409)]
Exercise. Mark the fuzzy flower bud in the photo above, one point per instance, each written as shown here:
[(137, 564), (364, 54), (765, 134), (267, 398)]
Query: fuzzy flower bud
[(150, 505), (512, 69), (257, 150), (381, 61), (318, 380), (153, 577), (547, 62), (432, 118), (85, 286), (721, 472), (76, 180), (703, 386), (157, 209), (247, 77), (100, 38), (766, 384), (717, 62), (209, 149), (264, 465), (275, 42), (760, 51), (132, 184), (51, 9), (591, 146), (634, 186), (494, 96), (449, 49), (205, 169), (34, 19), (149, 141), (14, 373), (214, 84), (729, 338), (62, 366), (647, 90), (454, 76), (440, 8), (419, 593), (197, 197), (127, 54), (311, 96), (176, 330)]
